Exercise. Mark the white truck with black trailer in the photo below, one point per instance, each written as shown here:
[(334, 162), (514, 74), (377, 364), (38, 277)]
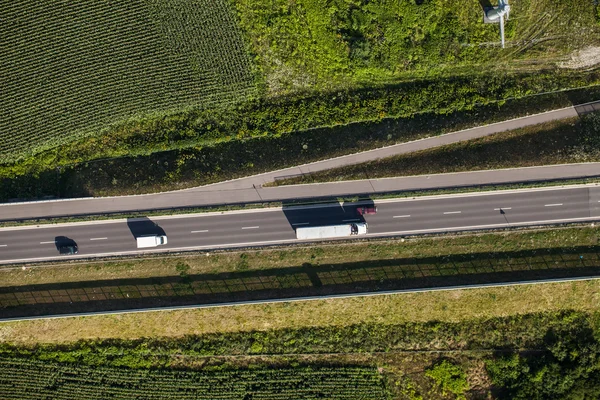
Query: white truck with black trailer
[(331, 231), (150, 241)]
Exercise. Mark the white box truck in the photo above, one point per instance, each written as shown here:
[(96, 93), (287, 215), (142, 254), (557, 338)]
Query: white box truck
[(331, 231), (150, 241)]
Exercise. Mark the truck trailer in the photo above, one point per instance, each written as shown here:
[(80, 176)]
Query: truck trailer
[(331, 231), (150, 241)]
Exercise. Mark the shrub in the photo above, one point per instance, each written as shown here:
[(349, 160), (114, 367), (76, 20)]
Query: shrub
[(450, 377)]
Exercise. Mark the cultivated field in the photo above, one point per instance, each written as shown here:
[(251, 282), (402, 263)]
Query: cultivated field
[(29, 379), (72, 68)]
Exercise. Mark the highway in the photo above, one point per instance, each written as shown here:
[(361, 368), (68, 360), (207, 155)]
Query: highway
[(275, 225)]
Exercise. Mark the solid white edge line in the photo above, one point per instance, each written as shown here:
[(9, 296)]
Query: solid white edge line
[(102, 238), (312, 298)]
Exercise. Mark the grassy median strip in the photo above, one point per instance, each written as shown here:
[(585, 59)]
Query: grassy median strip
[(559, 142)]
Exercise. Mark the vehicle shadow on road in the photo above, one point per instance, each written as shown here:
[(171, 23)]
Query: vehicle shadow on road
[(326, 214), (144, 226), (307, 279)]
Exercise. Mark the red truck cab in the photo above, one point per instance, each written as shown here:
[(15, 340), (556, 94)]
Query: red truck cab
[(366, 210)]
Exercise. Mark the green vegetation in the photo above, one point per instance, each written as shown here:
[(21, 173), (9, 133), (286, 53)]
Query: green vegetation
[(310, 43), (567, 369), (560, 142), (27, 379), (74, 69), (550, 355), (360, 62), (450, 377), (191, 167)]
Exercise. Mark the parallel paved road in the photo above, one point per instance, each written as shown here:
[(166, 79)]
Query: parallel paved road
[(271, 226)]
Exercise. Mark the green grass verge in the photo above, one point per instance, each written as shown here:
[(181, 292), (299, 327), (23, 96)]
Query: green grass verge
[(560, 142)]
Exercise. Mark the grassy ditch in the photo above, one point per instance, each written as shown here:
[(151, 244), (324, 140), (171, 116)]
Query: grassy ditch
[(559, 142)]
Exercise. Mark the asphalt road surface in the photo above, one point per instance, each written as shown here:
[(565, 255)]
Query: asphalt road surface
[(271, 226)]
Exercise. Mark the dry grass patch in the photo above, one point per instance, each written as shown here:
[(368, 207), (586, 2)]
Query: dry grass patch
[(449, 306)]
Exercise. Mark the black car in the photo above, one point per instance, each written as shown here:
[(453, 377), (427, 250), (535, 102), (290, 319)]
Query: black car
[(68, 249)]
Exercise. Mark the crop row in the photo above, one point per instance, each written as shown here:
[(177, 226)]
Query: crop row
[(25, 379), (72, 69)]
